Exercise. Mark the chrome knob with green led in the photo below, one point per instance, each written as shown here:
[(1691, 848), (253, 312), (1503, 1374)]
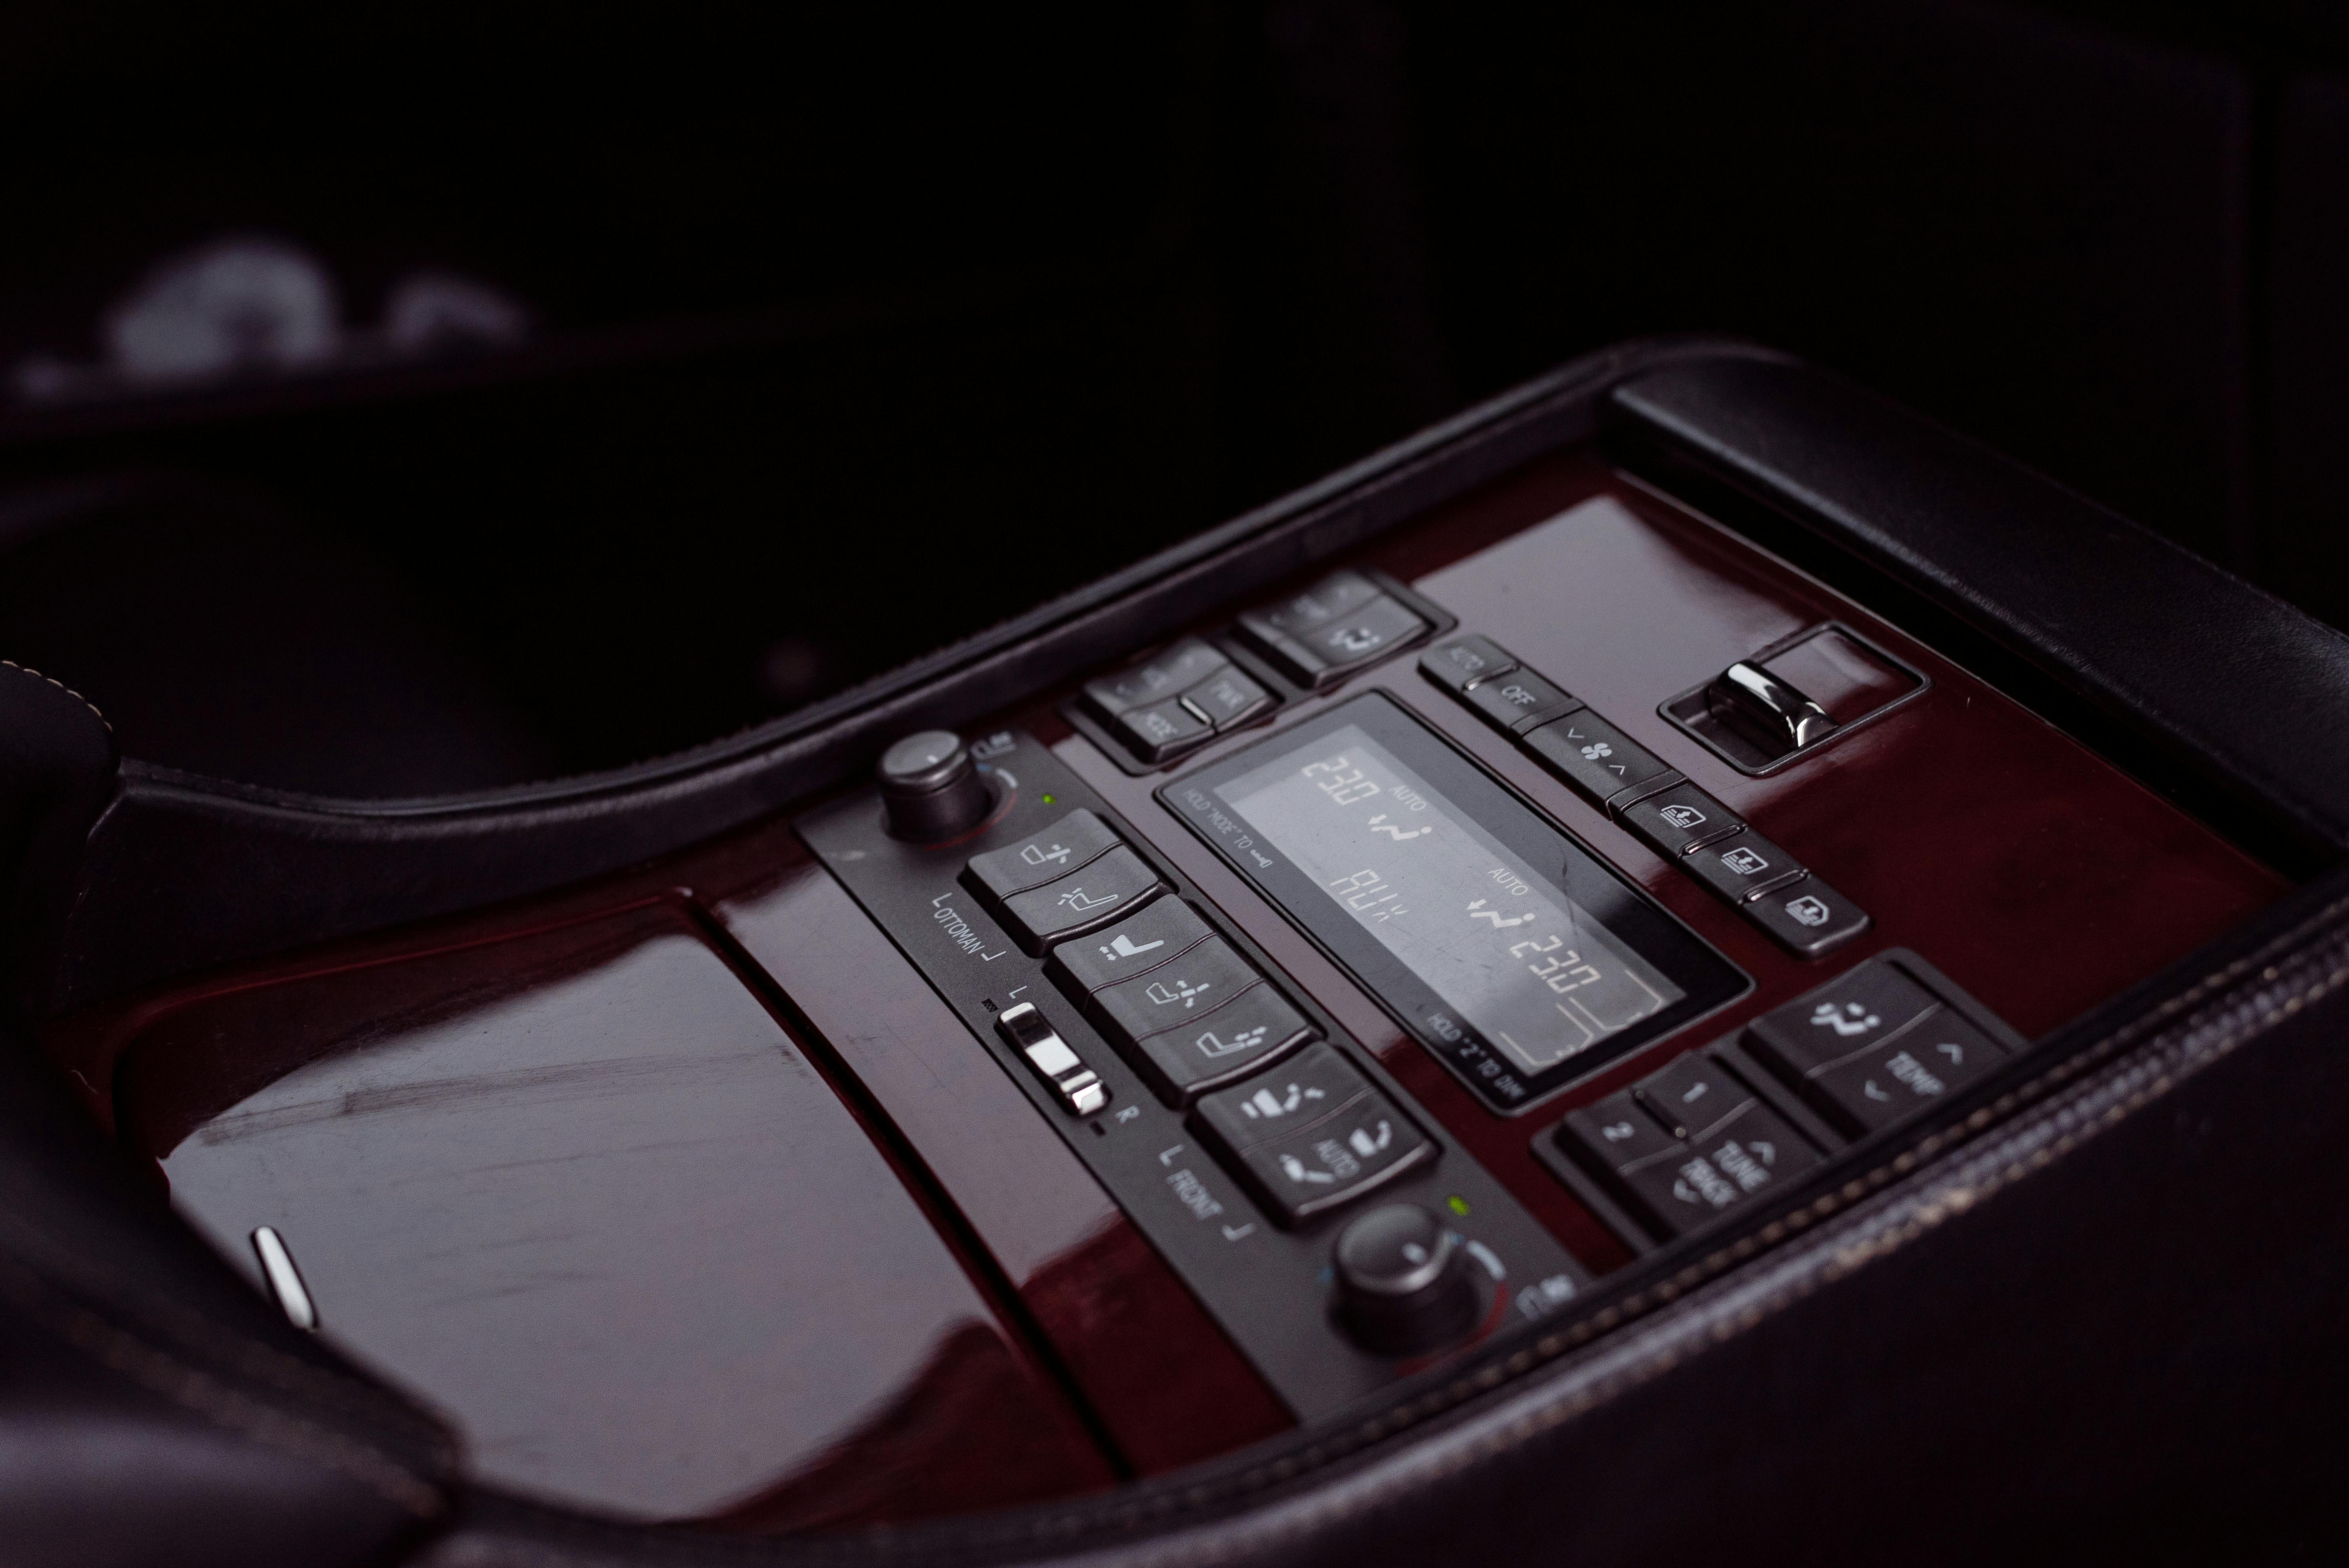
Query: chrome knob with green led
[(1030, 1033)]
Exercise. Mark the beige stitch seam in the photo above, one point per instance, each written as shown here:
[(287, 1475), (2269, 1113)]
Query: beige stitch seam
[(29, 670)]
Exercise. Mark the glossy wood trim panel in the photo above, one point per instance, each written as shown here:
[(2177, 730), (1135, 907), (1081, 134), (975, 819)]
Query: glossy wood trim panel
[(580, 1189)]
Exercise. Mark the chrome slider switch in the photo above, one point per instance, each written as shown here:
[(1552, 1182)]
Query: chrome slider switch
[(1771, 711), (1078, 1087)]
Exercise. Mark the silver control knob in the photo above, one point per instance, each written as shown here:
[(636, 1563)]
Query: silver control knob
[(1404, 1282), (931, 789)]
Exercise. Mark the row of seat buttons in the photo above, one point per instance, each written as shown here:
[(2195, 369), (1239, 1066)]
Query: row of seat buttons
[(1704, 837), (1865, 1051), (1190, 1012), (1072, 877), (1320, 636), (1192, 1015), (1183, 698), (1686, 1145), (1314, 1134)]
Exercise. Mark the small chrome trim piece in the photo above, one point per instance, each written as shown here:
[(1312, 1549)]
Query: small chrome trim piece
[(285, 1280)]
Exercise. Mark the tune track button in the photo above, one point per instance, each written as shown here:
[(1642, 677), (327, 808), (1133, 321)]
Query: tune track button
[(1237, 1039), (1197, 982), (1751, 1154), (1227, 698), (1092, 896), (1074, 843), (1160, 930), (1168, 675), (1599, 760)]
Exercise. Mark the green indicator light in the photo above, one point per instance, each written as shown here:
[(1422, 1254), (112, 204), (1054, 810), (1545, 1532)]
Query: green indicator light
[(1459, 1205), (1048, 799)]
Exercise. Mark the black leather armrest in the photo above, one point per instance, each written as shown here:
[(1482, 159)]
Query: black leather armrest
[(2224, 680)]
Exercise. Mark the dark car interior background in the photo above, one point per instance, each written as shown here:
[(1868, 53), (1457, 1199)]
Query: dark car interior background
[(1286, 782)]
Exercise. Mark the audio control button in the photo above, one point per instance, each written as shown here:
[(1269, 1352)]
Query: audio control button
[(1160, 679), (1097, 894), (1227, 698), (1164, 729)]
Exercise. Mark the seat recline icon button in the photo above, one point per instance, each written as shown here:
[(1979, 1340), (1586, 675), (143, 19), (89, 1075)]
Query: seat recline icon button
[(1095, 896), (1142, 940)]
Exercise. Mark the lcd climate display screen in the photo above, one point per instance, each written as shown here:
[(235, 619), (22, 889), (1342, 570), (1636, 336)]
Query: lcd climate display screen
[(1506, 947)]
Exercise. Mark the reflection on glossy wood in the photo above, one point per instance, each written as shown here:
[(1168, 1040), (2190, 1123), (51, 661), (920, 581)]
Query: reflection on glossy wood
[(579, 1191), (1165, 1382)]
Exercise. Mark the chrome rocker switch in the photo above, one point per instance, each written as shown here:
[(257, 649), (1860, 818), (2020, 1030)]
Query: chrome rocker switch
[(1079, 1088), (1774, 714)]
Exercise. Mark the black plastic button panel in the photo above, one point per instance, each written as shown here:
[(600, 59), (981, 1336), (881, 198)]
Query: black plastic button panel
[(1177, 700), (1685, 1146), (1193, 1016), (1093, 895), (1692, 1140), (1874, 1046), (1342, 622), (1599, 760), (1761, 881)]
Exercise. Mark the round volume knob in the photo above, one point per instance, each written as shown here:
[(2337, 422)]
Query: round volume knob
[(932, 789), (1403, 1285)]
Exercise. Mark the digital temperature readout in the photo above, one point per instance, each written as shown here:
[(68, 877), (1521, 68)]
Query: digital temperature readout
[(1516, 959), (1522, 960)]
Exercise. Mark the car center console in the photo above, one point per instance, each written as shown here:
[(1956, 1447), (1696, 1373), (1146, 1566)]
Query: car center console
[(1625, 880), (1244, 1030)]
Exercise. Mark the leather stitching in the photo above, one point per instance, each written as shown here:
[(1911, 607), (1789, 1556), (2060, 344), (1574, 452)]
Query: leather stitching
[(24, 670), (288, 1373), (160, 1372)]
